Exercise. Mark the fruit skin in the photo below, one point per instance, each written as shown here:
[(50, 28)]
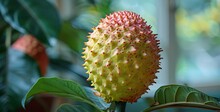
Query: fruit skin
[(32, 47), (122, 57)]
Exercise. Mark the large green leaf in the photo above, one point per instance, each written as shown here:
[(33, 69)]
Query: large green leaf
[(37, 17), (182, 96), (60, 87), (71, 108)]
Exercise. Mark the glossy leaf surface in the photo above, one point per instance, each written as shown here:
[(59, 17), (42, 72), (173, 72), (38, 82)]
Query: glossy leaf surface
[(183, 96), (60, 87), (36, 17)]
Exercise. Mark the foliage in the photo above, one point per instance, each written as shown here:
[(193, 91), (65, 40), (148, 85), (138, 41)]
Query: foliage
[(180, 96), (60, 87), (29, 16), (71, 108), (19, 72)]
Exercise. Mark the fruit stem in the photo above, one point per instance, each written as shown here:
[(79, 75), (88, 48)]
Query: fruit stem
[(120, 106)]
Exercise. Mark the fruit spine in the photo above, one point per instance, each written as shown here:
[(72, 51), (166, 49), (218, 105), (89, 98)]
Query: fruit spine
[(122, 57)]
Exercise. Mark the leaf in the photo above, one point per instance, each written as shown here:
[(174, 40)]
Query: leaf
[(36, 17), (3, 74), (97, 100), (60, 87), (3, 26), (32, 47), (22, 72), (17, 73), (72, 37), (91, 15), (87, 20), (104, 7), (69, 70), (182, 96), (71, 108)]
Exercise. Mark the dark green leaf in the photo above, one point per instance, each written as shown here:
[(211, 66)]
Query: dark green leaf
[(17, 73), (70, 70), (36, 17), (183, 96), (71, 108), (3, 26), (60, 87), (22, 74), (3, 77), (97, 100)]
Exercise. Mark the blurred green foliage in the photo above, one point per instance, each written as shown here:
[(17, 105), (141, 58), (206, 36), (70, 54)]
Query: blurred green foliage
[(198, 36), (65, 37)]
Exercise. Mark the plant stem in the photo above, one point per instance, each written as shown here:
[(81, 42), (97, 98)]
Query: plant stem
[(120, 106), (8, 38)]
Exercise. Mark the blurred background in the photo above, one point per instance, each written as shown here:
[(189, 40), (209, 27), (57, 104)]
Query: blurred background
[(189, 32)]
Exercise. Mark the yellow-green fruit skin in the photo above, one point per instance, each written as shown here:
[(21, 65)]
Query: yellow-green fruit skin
[(122, 57)]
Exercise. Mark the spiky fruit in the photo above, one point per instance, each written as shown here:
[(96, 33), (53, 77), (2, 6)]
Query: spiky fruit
[(122, 57), (32, 47)]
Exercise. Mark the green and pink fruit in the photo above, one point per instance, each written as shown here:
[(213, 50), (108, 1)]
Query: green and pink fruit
[(122, 57)]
